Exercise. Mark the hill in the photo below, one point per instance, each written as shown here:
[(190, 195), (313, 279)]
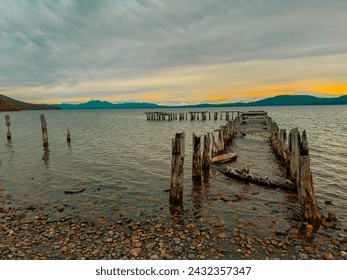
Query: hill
[(10, 104), (284, 100), (97, 104), (292, 100)]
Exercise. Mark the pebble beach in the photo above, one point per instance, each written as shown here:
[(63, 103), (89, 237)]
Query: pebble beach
[(30, 233)]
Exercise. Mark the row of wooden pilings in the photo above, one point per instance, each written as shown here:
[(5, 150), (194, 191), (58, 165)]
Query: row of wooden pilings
[(292, 150), (43, 129), (201, 158), (196, 115)]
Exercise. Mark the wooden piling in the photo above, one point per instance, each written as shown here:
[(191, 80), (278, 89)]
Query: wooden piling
[(196, 161), (8, 124), (177, 172), (206, 152), (214, 146), (220, 141), (44, 130), (68, 136), (294, 149), (306, 194), (215, 117)]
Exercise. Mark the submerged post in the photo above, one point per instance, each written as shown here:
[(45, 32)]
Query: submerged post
[(44, 130), (196, 162), (177, 174), (68, 136), (306, 194), (8, 124)]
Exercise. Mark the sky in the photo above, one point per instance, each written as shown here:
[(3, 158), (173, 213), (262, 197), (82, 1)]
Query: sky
[(171, 51)]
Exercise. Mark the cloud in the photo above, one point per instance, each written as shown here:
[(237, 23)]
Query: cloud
[(67, 44)]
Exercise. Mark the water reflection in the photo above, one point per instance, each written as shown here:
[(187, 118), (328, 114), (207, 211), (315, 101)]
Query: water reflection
[(45, 156)]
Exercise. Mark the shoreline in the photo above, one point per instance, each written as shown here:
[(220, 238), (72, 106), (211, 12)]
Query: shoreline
[(30, 233)]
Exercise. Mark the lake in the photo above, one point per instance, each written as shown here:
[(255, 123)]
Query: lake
[(123, 162)]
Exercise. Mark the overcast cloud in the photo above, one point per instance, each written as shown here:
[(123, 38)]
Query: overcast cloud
[(54, 49)]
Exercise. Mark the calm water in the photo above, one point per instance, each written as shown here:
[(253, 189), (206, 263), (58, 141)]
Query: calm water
[(123, 162)]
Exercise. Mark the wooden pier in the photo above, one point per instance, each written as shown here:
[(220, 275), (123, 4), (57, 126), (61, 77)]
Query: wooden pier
[(291, 150), (192, 115)]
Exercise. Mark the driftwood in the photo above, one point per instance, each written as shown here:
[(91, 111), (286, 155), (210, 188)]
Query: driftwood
[(243, 175), (223, 158), (76, 191)]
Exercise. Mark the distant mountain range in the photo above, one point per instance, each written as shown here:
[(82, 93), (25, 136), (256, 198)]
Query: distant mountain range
[(9, 104), (281, 100), (97, 104)]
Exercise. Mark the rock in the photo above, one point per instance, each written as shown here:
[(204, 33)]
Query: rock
[(64, 249), (328, 202), (221, 223), (328, 257), (191, 256), (297, 248), (309, 230), (109, 240), (303, 256), (151, 245), (343, 254), (190, 226), (154, 257), (327, 223), (335, 242), (222, 235), (177, 240), (135, 251), (308, 249)]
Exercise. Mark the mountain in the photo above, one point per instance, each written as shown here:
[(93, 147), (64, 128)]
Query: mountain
[(97, 104), (285, 100), (9, 104), (292, 100)]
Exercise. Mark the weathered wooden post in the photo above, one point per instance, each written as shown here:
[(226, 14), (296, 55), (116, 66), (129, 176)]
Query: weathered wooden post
[(177, 172), (8, 124), (196, 161), (294, 153), (305, 187), (206, 152), (220, 142), (44, 130), (215, 117), (68, 136)]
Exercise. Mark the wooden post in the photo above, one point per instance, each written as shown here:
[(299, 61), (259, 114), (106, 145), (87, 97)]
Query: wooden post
[(214, 148), (44, 130), (196, 161), (206, 152), (68, 136), (177, 172), (220, 142), (294, 153), (305, 187), (8, 124)]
